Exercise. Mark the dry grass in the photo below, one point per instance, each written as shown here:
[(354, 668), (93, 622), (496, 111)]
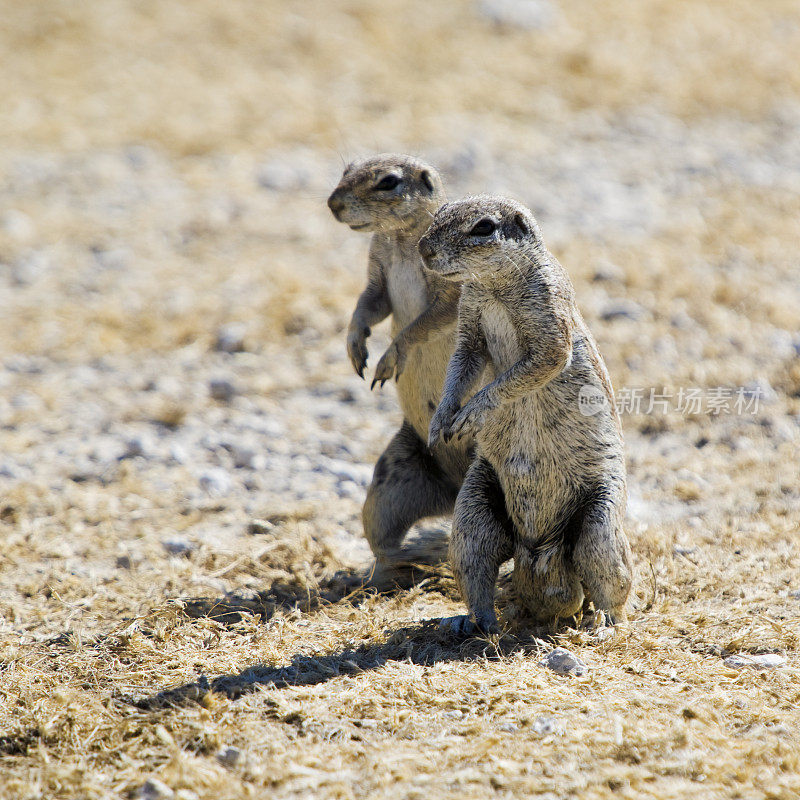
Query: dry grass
[(119, 662)]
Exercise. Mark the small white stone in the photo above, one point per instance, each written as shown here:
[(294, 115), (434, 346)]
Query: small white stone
[(244, 457), (216, 482), (508, 727), (177, 452), (525, 14), (260, 527), (230, 338), (761, 661), (605, 633), (563, 662), (9, 470), (546, 726), (360, 474)]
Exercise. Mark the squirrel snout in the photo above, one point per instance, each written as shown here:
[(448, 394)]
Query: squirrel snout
[(335, 204)]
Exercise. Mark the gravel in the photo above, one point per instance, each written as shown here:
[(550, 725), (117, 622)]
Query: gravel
[(563, 662), (154, 789), (546, 726), (228, 756), (221, 389), (762, 661)]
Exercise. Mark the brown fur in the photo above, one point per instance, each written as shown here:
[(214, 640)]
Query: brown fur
[(410, 481), (547, 486)]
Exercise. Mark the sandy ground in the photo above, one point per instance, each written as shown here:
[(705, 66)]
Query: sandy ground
[(184, 448)]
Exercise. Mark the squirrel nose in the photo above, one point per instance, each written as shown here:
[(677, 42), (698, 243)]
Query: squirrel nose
[(425, 249), (335, 204)]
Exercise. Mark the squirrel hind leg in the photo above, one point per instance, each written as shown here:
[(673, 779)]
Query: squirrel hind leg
[(602, 560), (407, 485), (481, 541)]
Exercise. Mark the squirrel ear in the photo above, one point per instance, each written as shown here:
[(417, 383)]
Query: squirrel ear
[(522, 224), (426, 179)]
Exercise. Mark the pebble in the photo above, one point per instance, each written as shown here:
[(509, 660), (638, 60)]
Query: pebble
[(605, 633), (8, 470), (260, 527), (244, 457), (761, 661), (137, 447), (608, 272), (222, 389), (563, 662), (178, 547), (621, 309), (154, 789), (177, 452), (115, 260), (216, 482), (228, 756), (546, 726), (360, 474), (231, 338), (508, 727), (523, 14)]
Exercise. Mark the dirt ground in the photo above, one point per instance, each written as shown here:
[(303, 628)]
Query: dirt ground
[(184, 448)]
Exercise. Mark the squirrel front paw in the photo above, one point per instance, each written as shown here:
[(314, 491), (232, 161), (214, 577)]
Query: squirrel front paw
[(440, 423), (357, 348), (392, 362), (469, 420)]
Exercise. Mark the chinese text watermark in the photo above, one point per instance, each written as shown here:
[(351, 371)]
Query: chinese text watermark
[(713, 401)]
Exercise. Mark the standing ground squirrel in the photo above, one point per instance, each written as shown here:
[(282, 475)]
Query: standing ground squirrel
[(547, 486), (394, 197)]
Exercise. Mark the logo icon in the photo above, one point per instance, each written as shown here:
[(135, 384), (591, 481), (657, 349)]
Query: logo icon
[(591, 400)]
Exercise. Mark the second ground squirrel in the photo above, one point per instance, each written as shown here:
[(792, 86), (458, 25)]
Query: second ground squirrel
[(394, 197)]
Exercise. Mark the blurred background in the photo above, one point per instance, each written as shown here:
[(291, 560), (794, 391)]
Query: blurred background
[(165, 162)]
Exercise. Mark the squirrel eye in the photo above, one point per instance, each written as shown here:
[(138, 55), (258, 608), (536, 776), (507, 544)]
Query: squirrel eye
[(486, 227), (387, 184)]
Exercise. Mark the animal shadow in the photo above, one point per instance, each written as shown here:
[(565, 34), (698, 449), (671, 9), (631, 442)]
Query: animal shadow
[(421, 566), (424, 644)]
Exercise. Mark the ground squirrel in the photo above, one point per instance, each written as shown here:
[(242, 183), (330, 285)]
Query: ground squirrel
[(547, 486), (394, 197)]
